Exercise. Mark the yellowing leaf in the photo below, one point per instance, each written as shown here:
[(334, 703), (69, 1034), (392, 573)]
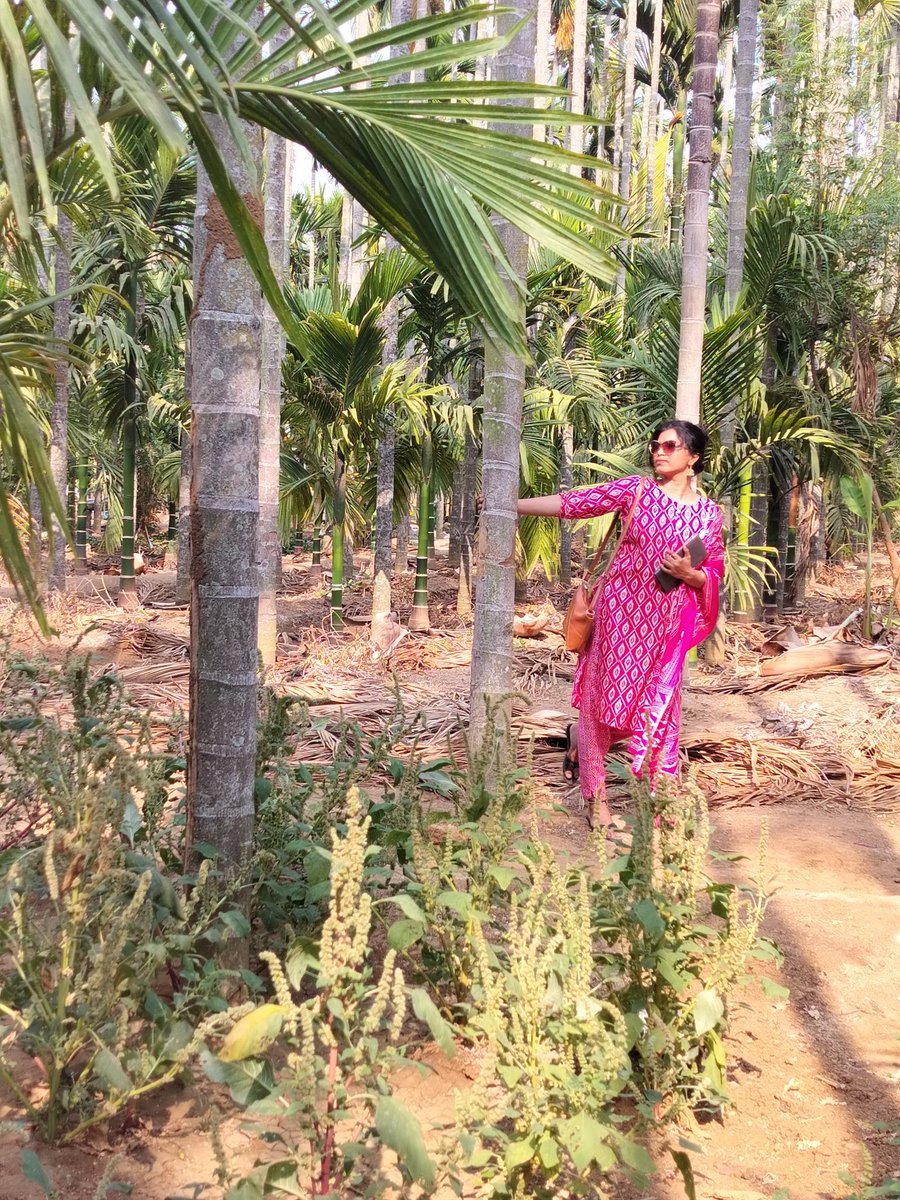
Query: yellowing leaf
[(253, 1033)]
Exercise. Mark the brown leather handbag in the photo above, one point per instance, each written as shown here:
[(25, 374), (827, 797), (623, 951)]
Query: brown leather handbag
[(579, 618)]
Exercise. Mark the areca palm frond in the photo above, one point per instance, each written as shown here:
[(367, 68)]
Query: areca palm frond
[(415, 176)]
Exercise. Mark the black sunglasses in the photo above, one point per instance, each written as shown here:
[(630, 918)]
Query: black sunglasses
[(669, 445)]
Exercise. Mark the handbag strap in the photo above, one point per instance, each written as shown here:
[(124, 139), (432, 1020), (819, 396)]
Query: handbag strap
[(626, 525)]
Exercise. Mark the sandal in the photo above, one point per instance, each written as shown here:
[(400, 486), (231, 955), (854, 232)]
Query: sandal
[(570, 762)]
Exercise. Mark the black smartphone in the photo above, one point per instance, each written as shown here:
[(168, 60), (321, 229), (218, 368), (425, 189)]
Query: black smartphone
[(697, 550)]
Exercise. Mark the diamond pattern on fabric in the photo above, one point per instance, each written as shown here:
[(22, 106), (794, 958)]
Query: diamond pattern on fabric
[(627, 683)]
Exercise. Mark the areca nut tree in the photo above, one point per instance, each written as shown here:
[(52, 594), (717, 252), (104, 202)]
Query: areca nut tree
[(224, 513), (696, 212), (504, 391)]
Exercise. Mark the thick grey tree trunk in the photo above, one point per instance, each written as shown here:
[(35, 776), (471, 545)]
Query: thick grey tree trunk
[(504, 388), (226, 328), (277, 204), (740, 154), (696, 213)]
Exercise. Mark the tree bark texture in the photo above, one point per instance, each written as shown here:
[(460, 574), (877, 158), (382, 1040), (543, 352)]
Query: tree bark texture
[(628, 101), (577, 75), (504, 387), (225, 389), (59, 417), (127, 585), (183, 574), (401, 12), (566, 454), (467, 526), (277, 207), (652, 104), (696, 222)]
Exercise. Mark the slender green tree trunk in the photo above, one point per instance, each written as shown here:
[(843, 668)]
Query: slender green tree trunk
[(339, 505), (652, 103), (677, 213), (81, 520), (127, 586), (224, 389), (277, 201), (183, 573), (566, 454), (315, 568), (696, 226), (467, 519), (504, 388), (59, 417), (727, 82), (419, 618)]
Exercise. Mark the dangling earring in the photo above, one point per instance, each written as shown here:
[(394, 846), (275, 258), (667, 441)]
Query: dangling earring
[(690, 472)]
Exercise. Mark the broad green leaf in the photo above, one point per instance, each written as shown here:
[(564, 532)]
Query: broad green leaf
[(548, 1152), (503, 875), (633, 1154), (111, 1071), (281, 1177), (404, 933), (237, 922), (585, 1139), (132, 821), (317, 865), (400, 1130), (253, 1034), (518, 1154), (407, 906), (460, 902), (33, 1169), (773, 990), (302, 956), (426, 1010), (683, 1163), (708, 1011), (249, 1082), (646, 912)]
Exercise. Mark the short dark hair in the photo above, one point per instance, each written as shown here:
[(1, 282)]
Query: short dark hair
[(695, 438)]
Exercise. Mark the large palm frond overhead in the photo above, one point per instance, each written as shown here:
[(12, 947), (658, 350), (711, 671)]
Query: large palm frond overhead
[(405, 151)]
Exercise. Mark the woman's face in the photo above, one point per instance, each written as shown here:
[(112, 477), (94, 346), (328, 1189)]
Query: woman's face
[(671, 456)]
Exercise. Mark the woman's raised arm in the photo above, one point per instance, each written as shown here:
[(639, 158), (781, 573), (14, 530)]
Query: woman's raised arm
[(539, 506)]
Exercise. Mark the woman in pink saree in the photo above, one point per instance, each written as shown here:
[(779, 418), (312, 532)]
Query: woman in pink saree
[(628, 679)]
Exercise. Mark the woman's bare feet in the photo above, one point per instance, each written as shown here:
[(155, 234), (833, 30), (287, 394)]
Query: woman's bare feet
[(570, 758), (598, 813)]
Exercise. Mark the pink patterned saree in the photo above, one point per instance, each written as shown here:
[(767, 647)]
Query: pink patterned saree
[(628, 680)]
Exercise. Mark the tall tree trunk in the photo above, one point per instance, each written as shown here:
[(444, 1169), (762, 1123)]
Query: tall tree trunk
[(727, 84), (338, 561), (628, 100), (566, 454), (183, 574), (456, 509), (652, 105), (277, 202), (740, 159), (467, 528), (81, 519), (419, 618), (577, 75), (696, 224), (602, 113), (127, 586), (224, 387), (676, 216), (541, 54), (504, 388), (59, 418)]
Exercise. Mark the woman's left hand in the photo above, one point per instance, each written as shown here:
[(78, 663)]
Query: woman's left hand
[(678, 563)]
